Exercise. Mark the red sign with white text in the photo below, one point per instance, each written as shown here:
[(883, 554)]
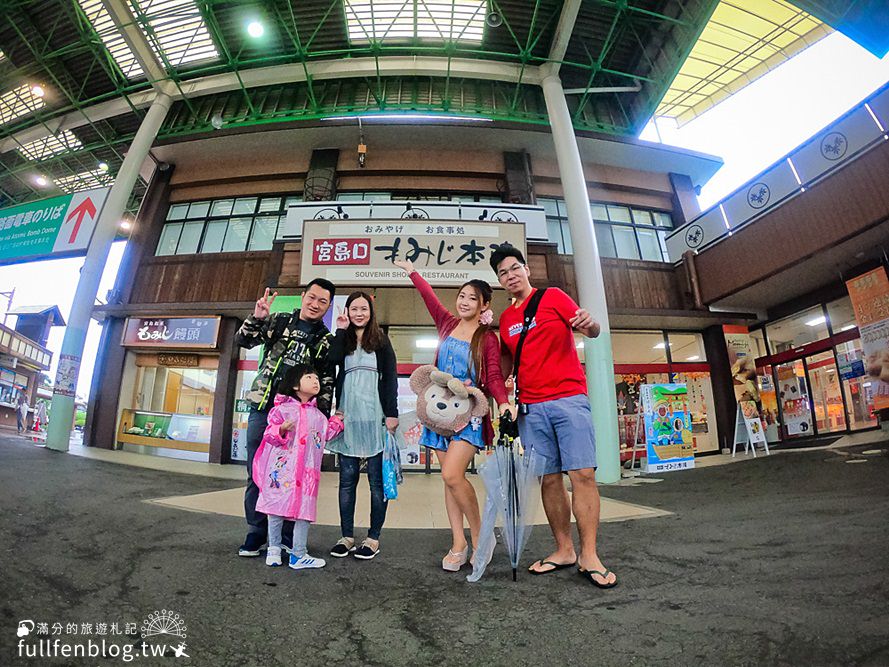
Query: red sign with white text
[(350, 252)]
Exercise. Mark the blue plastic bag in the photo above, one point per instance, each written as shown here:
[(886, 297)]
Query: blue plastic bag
[(392, 476)]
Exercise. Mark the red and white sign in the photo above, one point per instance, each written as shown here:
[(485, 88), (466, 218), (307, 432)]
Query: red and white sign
[(80, 220), (347, 252)]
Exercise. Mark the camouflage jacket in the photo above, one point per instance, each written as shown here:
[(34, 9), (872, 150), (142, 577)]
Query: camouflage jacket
[(286, 346)]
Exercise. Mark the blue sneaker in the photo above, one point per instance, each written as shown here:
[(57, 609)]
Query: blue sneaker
[(305, 562)]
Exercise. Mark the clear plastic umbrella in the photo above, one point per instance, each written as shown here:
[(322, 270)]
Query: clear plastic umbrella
[(511, 475)]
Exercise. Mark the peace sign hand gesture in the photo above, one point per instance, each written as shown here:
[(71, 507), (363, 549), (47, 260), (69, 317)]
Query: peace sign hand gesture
[(342, 320), (264, 305)]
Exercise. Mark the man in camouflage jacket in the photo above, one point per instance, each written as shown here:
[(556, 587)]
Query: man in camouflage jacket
[(290, 339)]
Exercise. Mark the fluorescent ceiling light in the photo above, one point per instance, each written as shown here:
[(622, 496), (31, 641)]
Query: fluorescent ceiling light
[(405, 20), (49, 146), (17, 103), (41, 181), (815, 321), (693, 358), (660, 346), (177, 27), (426, 343), (409, 116), (848, 326), (83, 181)]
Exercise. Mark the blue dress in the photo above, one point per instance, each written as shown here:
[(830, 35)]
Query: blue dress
[(453, 358)]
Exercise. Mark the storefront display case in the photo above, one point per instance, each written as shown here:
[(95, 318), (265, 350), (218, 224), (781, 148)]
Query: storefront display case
[(167, 430)]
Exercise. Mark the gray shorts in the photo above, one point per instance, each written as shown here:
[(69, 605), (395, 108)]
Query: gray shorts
[(561, 431)]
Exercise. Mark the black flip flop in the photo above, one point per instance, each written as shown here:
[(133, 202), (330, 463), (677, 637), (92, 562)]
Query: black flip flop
[(556, 566), (588, 575)]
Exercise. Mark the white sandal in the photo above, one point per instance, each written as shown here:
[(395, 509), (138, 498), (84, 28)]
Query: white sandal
[(454, 561)]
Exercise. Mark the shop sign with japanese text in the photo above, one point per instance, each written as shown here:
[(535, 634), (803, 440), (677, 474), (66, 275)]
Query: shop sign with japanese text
[(60, 226), (171, 332), (360, 252)]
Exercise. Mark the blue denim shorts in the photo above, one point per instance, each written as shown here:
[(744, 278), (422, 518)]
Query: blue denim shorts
[(561, 431)]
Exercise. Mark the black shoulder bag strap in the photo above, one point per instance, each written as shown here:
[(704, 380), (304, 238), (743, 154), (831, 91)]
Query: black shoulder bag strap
[(530, 312)]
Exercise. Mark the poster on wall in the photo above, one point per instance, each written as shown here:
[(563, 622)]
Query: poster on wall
[(408, 434), (870, 301), (668, 437), (794, 402), (743, 362), (239, 444)]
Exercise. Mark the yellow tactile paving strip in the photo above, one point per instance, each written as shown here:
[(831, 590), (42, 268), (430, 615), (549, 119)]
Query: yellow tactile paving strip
[(420, 504)]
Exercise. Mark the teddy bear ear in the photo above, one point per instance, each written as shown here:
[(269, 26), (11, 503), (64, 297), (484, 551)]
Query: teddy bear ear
[(420, 378), (457, 388), (440, 377), (479, 402)]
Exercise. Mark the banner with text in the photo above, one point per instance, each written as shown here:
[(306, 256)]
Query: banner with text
[(57, 226), (361, 252), (870, 300), (742, 360)]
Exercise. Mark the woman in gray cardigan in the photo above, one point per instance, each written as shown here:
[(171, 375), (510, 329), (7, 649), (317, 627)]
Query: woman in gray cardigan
[(367, 371)]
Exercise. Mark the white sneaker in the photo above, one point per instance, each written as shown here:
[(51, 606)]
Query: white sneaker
[(273, 557), (306, 562)]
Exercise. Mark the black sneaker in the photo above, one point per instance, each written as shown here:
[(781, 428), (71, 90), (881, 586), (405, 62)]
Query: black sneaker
[(252, 547), (366, 551), (343, 548)]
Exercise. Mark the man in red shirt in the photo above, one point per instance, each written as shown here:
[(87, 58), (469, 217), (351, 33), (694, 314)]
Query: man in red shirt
[(557, 421)]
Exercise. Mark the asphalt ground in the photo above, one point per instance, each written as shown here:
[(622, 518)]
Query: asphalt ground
[(780, 560)]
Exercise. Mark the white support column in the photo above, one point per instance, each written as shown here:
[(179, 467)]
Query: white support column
[(590, 285), (62, 412)]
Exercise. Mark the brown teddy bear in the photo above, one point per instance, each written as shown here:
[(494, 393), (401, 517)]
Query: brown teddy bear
[(444, 404)]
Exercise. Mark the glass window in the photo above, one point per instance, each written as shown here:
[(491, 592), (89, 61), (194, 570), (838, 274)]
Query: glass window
[(377, 196), (214, 236), (566, 238), (244, 205), (842, 317), (177, 212), (859, 390), (237, 234), (599, 212), (642, 217), (604, 240), (797, 330), (639, 347), (222, 207), (649, 245), (264, 228), (292, 200), (554, 233), (169, 239), (759, 343), (619, 214), (267, 204), (686, 347), (662, 219), (550, 206), (349, 196), (199, 209), (191, 237), (414, 345), (625, 242)]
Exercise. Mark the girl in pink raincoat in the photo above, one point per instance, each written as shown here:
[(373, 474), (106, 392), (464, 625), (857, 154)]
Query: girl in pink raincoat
[(287, 465)]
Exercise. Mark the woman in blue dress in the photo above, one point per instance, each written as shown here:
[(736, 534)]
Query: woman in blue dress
[(469, 350)]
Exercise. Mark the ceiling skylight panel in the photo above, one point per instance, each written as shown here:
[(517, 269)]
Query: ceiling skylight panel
[(83, 181), (179, 29), (17, 103), (458, 20), (49, 146), (104, 26), (401, 20)]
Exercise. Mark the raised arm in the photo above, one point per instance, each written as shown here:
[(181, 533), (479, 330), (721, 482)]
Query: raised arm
[(440, 315), (258, 327)]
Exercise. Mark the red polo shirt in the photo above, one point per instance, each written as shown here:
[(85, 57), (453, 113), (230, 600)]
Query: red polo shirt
[(550, 366)]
